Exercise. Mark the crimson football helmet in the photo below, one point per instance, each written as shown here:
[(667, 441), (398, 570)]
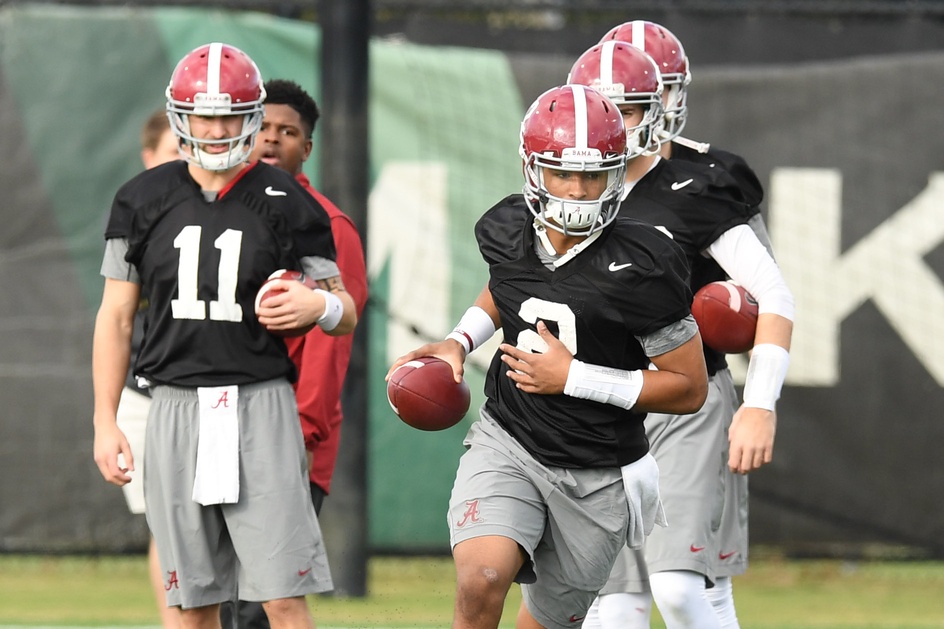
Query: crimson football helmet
[(573, 128), (216, 80), (666, 50), (628, 76)]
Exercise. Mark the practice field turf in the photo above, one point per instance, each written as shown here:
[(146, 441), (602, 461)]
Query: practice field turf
[(417, 593)]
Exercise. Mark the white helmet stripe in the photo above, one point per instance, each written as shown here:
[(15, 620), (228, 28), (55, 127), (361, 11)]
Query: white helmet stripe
[(580, 116), (213, 68), (639, 35), (606, 62)]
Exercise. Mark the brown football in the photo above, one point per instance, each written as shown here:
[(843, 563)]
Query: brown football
[(726, 315), (424, 394)]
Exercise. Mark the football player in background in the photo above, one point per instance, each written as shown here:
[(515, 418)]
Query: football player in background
[(556, 476), (225, 451), (704, 211), (321, 360), (753, 429)]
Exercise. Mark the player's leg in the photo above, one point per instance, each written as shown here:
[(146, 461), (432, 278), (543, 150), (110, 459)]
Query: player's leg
[(680, 596), (207, 617), (132, 414), (625, 602), (287, 560), (721, 597), (679, 557), (170, 616), (582, 540), (622, 610), (496, 518), (243, 615), (485, 569), (198, 570), (731, 553), (289, 613)]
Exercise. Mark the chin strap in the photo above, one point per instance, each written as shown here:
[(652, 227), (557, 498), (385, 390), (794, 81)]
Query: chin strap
[(701, 147)]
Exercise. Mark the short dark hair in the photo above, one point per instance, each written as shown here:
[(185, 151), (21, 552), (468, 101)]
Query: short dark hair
[(154, 127), (285, 92)]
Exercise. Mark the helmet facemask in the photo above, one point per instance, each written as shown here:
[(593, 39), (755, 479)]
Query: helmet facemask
[(239, 147), (645, 137), (574, 217), (676, 106)]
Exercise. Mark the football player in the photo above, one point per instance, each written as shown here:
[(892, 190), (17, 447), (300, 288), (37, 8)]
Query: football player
[(704, 211), (556, 477), (753, 430), (199, 236)]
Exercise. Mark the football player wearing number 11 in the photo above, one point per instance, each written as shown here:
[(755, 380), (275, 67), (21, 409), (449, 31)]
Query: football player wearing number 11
[(556, 476), (224, 446)]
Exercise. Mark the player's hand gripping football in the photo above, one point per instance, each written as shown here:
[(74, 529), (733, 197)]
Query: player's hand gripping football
[(751, 439), (448, 350), (545, 373), (293, 306)]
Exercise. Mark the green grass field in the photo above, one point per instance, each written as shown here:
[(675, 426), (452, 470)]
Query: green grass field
[(417, 593)]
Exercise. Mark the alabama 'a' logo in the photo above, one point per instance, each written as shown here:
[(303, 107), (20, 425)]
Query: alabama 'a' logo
[(471, 515), (172, 581)]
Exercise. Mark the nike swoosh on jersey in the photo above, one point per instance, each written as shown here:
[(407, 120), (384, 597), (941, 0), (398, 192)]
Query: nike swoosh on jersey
[(678, 185), (618, 267), (272, 192)]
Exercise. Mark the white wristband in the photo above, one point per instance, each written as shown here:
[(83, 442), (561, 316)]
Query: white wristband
[(474, 328), (604, 384), (765, 375), (333, 312)]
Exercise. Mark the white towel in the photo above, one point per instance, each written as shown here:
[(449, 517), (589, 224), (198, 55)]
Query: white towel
[(217, 477), (641, 485)]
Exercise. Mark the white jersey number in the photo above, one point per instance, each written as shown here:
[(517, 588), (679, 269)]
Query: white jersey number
[(187, 306), (533, 309)]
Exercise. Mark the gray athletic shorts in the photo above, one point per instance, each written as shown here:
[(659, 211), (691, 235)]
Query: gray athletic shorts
[(571, 522), (629, 573), (731, 541), (692, 454), (268, 544)]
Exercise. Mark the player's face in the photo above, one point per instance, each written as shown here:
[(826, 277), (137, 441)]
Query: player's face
[(578, 186), (282, 142), (632, 115), (165, 151), (215, 128)]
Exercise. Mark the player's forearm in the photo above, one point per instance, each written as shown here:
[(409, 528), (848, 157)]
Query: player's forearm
[(348, 320), (774, 329), (680, 385), (111, 355)]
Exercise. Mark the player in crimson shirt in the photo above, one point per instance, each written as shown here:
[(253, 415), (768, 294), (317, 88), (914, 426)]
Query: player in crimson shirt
[(285, 141)]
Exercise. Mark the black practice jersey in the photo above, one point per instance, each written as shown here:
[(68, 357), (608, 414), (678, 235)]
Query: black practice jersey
[(751, 189), (695, 204), (201, 264), (632, 281)]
